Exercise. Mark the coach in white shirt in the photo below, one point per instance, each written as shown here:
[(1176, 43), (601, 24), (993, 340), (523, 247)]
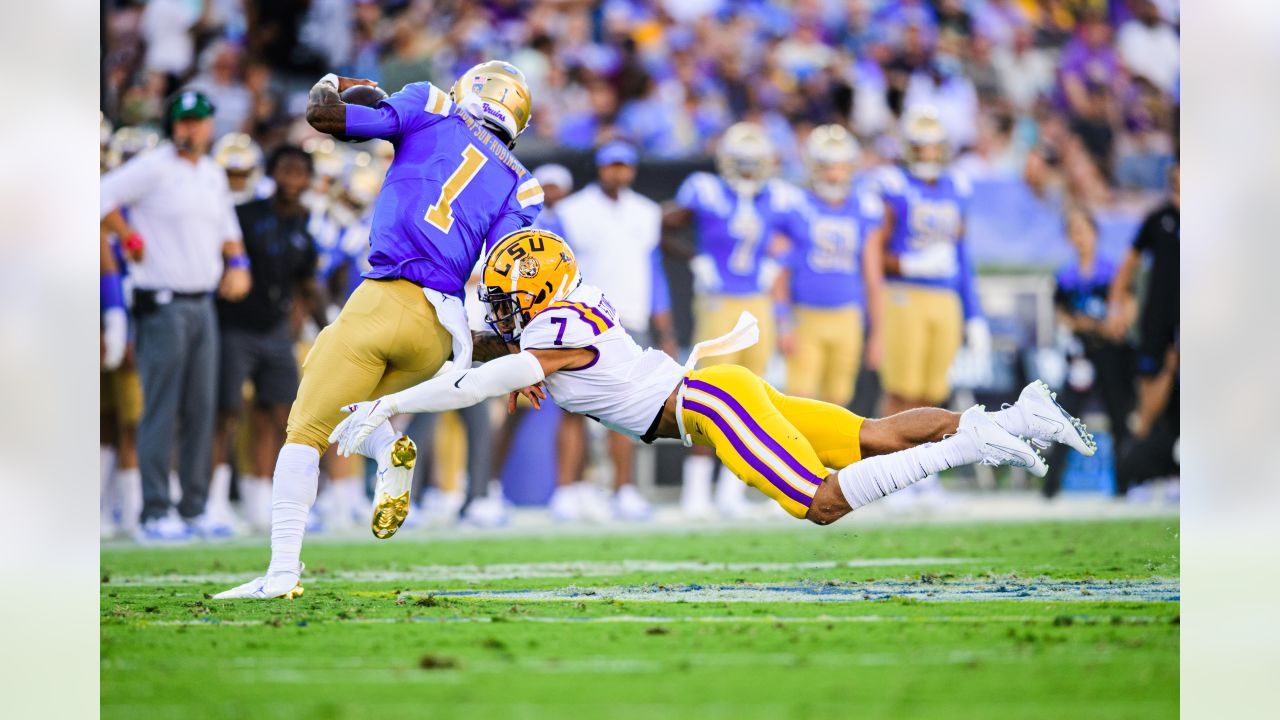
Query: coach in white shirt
[(177, 199), (614, 232)]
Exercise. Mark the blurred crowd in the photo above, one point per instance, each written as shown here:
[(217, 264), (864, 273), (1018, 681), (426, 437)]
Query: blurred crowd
[(1076, 99)]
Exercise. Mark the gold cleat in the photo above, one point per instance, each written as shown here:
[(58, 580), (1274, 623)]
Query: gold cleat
[(391, 506), (404, 453), (296, 592), (389, 514)]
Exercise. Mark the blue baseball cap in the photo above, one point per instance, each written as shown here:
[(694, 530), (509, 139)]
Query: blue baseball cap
[(616, 152)]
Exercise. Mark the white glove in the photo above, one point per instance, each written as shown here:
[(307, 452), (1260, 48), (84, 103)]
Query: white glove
[(365, 417), (273, 585), (770, 269), (706, 278), (115, 333), (934, 262), (978, 338)]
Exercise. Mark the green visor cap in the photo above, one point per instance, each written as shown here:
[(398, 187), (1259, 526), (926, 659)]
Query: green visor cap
[(190, 104)]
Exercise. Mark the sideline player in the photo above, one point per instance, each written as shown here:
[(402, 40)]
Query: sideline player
[(823, 282), (930, 296), (453, 186), (734, 215)]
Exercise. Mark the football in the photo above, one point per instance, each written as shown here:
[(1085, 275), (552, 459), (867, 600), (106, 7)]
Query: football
[(366, 95)]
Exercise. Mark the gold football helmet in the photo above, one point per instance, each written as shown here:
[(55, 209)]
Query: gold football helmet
[(926, 152), (526, 271), (831, 152), (363, 179), (496, 94), (241, 158), (745, 157), (129, 141)]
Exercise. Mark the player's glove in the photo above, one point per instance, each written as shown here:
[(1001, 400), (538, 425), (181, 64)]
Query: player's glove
[(934, 262), (978, 337), (365, 417), (272, 585), (115, 336), (770, 269), (706, 278)]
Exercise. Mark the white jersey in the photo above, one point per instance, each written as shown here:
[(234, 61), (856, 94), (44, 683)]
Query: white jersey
[(625, 386)]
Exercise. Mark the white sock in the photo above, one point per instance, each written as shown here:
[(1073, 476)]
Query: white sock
[(730, 490), (219, 489), (1010, 420), (129, 485), (378, 441), (696, 489), (873, 478), (106, 497), (293, 491)]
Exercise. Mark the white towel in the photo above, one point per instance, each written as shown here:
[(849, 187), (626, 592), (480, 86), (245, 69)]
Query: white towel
[(453, 316), (743, 335)]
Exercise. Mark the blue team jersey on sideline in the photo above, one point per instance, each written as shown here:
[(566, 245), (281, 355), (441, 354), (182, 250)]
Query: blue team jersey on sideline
[(1082, 294), (734, 232), (926, 214), (825, 259), (452, 188)]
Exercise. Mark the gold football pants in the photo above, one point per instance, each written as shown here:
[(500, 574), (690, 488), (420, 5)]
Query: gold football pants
[(387, 338), (923, 329), (827, 353), (778, 444), (715, 315)]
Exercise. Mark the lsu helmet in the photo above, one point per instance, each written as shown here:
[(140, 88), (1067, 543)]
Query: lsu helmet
[(922, 129), (745, 157), (831, 152), (129, 141), (497, 94), (526, 271), (241, 158)]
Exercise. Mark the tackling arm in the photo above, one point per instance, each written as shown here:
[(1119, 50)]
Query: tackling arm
[(453, 390)]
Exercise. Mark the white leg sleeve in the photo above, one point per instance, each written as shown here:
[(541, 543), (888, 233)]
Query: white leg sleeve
[(293, 491), (869, 480)]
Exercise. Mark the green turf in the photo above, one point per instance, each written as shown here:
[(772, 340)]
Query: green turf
[(380, 648)]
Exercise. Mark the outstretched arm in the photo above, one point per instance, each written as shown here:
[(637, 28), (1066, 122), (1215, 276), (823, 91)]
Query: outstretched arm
[(453, 390)]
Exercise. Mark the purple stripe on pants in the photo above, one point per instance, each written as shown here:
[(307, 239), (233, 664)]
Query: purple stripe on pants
[(756, 430), (755, 462)]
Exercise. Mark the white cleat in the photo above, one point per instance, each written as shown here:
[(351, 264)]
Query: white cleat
[(391, 494), (273, 585), (998, 446), (1047, 422)]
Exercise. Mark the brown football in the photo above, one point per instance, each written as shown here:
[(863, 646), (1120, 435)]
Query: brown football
[(366, 95)]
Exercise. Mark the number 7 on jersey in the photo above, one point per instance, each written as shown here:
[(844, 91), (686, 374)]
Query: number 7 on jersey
[(440, 214)]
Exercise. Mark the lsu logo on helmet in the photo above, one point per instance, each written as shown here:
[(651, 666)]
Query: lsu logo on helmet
[(526, 272)]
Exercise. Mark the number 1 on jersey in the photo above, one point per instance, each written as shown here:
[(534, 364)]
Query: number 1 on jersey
[(441, 213)]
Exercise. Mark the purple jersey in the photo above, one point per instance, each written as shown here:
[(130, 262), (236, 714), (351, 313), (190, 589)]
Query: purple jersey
[(928, 213), (452, 187), (825, 259), (734, 230)]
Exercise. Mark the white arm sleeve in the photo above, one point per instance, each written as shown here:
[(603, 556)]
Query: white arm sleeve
[(464, 388)]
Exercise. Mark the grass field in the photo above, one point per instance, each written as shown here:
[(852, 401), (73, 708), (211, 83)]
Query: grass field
[(1010, 620)]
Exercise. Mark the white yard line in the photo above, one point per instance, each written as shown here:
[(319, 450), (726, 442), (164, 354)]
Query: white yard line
[(512, 571), (967, 590)]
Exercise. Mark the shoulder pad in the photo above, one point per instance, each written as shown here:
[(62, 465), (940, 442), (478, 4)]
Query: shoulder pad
[(529, 193), (438, 101)]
